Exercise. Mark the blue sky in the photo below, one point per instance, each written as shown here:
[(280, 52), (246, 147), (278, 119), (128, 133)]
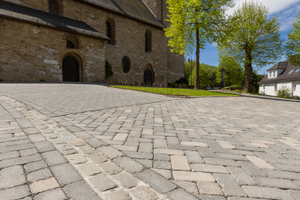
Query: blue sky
[(287, 11)]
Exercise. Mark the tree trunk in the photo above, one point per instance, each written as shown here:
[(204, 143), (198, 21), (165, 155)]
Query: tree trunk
[(196, 87), (248, 70)]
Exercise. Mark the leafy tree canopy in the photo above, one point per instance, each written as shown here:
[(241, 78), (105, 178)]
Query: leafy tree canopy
[(293, 43), (193, 23), (254, 38)]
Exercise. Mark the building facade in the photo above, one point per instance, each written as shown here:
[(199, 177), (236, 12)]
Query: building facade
[(72, 40), (281, 75)]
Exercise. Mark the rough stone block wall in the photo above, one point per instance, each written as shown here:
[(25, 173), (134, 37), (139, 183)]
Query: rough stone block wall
[(130, 41), (32, 52)]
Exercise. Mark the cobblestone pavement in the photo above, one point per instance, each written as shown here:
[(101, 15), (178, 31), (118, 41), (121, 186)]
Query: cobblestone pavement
[(75, 141)]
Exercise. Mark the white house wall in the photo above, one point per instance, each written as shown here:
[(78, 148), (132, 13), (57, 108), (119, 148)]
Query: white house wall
[(287, 85), (268, 89), (297, 91)]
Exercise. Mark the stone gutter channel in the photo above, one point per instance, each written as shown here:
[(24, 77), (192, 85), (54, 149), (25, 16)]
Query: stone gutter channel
[(46, 161)]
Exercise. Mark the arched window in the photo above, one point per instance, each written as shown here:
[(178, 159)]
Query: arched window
[(148, 41), (70, 45), (53, 7), (110, 31)]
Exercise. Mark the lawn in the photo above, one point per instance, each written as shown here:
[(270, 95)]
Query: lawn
[(176, 91)]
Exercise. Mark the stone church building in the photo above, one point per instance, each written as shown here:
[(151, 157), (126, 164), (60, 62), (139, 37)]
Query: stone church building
[(71, 40)]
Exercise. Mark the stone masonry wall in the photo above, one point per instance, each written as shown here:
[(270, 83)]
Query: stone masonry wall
[(32, 52), (130, 41)]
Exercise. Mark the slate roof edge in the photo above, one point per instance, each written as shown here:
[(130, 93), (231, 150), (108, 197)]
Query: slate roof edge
[(278, 81), (110, 9), (63, 28)]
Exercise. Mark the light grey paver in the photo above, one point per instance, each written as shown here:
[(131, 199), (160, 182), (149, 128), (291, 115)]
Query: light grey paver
[(53, 158), (145, 193), (268, 193), (80, 190), (43, 185), (102, 182), (126, 180), (39, 175), (229, 185), (15, 192), (55, 194), (180, 163), (110, 168), (180, 194), (89, 169), (209, 188), (65, 174), (77, 158), (11, 177), (118, 195), (209, 168), (192, 176), (128, 164)]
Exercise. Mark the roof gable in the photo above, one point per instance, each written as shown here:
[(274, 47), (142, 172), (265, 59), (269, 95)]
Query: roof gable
[(290, 73)]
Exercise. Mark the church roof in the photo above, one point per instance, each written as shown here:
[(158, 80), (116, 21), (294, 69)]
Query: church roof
[(290, 73), (30, 15), (135, 9)]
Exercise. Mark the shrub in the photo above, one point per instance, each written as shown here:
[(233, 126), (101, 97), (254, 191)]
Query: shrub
[(284, 92), (42, 80), (182, 81), (108, 70), (171, 85), (1, 80)]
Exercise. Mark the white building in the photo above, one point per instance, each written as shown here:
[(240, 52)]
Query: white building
[(280, 75)]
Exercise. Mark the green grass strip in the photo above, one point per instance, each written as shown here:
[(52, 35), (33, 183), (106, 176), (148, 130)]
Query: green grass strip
[(175, 91)]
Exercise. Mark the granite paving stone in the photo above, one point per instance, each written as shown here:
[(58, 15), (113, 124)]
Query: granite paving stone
[(102, 182), (65, 174), (126, 179), (43, 185), (55, 194), (156, 181), (80, 190), (181, 148), (18, 192)]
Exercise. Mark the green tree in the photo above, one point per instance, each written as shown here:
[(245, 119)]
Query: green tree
[(293, 43), (254, 38), (193, 23), (234, 74)]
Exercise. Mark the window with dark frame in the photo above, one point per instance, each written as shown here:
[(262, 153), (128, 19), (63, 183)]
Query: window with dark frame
[(148, 41), (70, 45), (111, 31), (53, 7), (108, 32)]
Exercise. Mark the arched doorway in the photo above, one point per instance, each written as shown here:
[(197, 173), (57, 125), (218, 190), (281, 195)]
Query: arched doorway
[(70, 69), (148, 77)]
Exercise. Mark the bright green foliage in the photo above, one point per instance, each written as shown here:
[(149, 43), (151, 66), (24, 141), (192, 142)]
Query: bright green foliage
[(234, 74), (176, 91), (193, 23), (207, 76), (254, 39), (293, 44), (284, 92)]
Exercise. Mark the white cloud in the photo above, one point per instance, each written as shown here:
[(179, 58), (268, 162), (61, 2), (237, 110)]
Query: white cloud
[(273, 5), (287, 10)]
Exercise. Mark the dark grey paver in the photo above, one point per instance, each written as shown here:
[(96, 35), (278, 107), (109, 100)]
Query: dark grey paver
[(54, 158), (65, 174), (156, 181), (80, 190)]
